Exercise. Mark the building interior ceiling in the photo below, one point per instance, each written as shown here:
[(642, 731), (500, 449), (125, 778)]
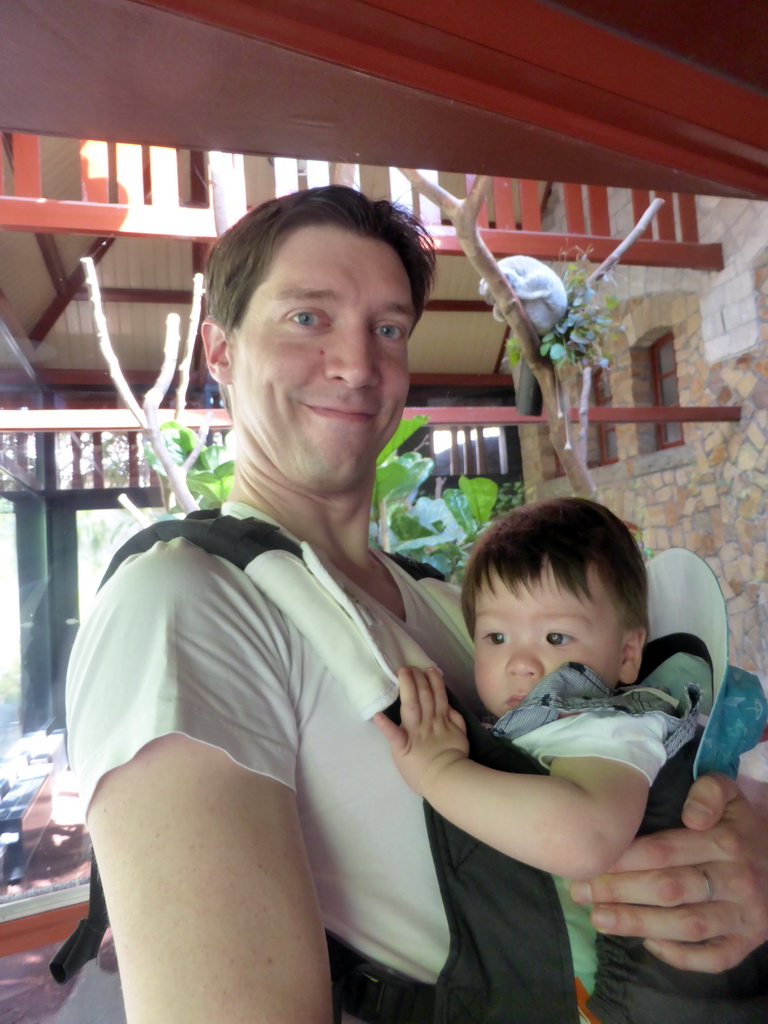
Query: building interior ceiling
[(646, 96)]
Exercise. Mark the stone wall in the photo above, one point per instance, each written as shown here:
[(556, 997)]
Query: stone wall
[(708, 494)]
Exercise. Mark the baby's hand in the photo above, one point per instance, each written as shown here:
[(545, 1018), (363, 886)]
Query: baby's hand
[(432, 734)]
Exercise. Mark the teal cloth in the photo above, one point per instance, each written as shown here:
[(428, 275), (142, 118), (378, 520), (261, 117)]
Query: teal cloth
[(735, 724)]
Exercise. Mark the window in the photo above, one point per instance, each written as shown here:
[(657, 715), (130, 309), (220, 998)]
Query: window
[(602, 445), (664, 386), (469, 450), (607, 446)]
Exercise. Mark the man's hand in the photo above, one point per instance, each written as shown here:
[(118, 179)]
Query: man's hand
[(698, 895), (432, 735)]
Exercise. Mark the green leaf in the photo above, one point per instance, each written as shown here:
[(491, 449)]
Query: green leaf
[(544, 349), (481, 493), (461, 511), (557, 352), (408, 528), (406, 428), (611, 301), (179, 440), (399, 477)]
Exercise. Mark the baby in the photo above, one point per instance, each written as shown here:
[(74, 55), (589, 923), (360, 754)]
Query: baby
[(556, 597)]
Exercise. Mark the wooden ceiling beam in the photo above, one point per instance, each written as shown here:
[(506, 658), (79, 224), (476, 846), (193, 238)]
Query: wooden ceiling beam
[(161, 296), (53, 262), (181, 296), (541, 65), (59, 420), (73, 284), (113, 220), (537, 93)]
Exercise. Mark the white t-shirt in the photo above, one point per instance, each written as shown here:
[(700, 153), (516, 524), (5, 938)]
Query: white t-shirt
[(182, 641)]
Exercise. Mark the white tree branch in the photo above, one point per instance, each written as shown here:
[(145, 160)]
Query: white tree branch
[(177, 478), (447, 202), (105, 342), (610, 261), (202, 436), (586, 388), (185, 364)]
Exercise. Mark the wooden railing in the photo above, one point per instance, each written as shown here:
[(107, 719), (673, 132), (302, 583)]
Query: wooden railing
[(128, 189), (84, 433)]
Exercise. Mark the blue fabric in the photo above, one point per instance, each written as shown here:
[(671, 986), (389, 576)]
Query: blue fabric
[(575, 688), (735, 724)]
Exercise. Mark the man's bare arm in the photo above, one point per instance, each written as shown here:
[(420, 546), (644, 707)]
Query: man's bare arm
[(658, 889), (210, 897)]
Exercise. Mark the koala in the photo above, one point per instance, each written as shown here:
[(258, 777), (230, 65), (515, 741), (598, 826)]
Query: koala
[(539, 288)]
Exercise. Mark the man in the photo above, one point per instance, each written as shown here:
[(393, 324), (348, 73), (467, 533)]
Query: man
[(213, 743)]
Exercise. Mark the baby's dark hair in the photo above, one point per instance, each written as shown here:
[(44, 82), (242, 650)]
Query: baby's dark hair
[(566, 535)]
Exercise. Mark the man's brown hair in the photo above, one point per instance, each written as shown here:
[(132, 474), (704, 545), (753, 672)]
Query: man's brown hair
[(240, 259), (566, 535)]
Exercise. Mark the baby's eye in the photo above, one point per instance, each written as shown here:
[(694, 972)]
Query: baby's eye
[(306, 319), (495, 638), (557, 639)]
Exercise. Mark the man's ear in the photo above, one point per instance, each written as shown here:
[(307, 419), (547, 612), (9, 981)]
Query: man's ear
[(218, 351), (631, 656)]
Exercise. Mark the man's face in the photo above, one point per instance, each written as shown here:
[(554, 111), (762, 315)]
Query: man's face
[(319, 364), (523, 636)]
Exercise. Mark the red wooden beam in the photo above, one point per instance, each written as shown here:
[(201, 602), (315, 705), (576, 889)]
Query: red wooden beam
[(548, 245), (62, 216), (504, 204), (508, 416), (599, 217), (27, 180), (530, 205), (574, 209), (542, 66), (36, 930), (689, 225), (62, 420)]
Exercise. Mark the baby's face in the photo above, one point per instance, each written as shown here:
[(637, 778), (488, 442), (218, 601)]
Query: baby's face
[(520, 637)]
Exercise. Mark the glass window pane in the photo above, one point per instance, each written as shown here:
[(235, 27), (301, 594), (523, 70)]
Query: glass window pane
[(669, 391), (10, 632), (673, 433), (611, 446), (666, 356)]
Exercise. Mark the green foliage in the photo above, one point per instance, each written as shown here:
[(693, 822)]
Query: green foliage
[(589, 321), (211, 476), (510, 496), (406, 429), (440, 531)]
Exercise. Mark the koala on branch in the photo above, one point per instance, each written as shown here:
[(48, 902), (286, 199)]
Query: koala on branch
[(537, 286)]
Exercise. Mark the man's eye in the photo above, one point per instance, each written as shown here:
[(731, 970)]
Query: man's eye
[(557, 639), (306, 319), (391, 331)]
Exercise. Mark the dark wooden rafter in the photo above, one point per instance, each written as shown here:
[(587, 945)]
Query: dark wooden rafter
[(53, 262), (45, 243), (181, 296), (74, 282)]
